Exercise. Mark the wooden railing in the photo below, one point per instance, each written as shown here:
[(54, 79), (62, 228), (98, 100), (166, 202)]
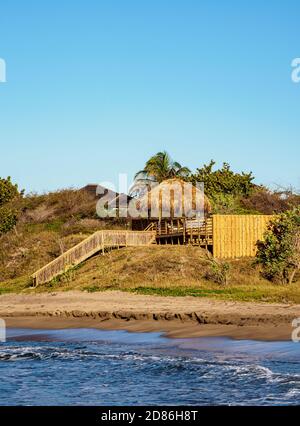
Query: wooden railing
[(204, 226), (151, 227), (170, 227), (88, 247), (200, 232), (178, 227)]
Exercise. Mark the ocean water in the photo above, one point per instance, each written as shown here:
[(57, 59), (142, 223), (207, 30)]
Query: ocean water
[(95, 367)]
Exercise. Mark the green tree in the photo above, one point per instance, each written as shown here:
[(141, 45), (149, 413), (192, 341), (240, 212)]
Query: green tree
[(279, 252), (8, 219), (8, 215), (161, 167), (224, 187), (8, 190), (223, 181)]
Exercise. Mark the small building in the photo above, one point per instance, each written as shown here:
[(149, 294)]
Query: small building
[(178, 211), (182, 214)]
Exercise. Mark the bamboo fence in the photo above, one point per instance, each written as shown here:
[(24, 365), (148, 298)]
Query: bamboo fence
[(235, 236)]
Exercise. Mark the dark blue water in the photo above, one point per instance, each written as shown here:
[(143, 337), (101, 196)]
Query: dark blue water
[(93, 367)]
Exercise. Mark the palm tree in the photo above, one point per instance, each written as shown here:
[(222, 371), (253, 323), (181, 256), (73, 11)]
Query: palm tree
[(161, 167), (157, 169)]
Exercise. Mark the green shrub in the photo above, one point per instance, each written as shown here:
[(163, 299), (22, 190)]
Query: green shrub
[(227, 204), (223, 181), (8, 219), (8, 190), (279, 253), (219, 271)]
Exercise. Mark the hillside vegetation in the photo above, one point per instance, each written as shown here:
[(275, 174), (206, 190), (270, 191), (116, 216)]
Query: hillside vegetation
[(35, 229), (47, 226), (166, 271)]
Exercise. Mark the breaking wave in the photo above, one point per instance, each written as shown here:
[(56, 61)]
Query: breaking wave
[(155, 373)]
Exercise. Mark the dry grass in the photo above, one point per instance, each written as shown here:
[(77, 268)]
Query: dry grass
[(48, 225), (268, 202), (62, 204), (165, 271), (26, 252), (157, 266)]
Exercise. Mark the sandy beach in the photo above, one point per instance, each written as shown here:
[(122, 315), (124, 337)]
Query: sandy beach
[(176, 316)]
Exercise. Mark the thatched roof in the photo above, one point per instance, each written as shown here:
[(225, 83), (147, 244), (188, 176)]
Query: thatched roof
[(175, 198)]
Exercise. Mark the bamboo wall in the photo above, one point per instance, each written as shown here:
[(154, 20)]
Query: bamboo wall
[(235, 236)]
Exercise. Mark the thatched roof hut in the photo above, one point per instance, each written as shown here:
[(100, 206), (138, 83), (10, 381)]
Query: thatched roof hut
[(174, 198)]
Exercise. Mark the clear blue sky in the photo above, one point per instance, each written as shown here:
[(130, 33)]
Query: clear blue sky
[(95, 87)]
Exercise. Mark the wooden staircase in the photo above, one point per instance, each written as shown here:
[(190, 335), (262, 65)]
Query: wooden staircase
[(95, 243)]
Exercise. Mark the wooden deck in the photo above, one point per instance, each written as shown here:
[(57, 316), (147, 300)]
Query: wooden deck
[(179, 231)]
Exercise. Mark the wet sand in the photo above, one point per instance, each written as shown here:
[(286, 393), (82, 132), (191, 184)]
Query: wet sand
[(176, 316)]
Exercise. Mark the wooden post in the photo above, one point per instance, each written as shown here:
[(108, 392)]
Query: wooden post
[(206, 234), (102, 238)]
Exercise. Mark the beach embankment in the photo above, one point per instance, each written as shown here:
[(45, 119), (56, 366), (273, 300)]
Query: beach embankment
[(178, 317)]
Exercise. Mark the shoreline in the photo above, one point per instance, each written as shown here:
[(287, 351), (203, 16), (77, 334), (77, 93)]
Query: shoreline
[(175, 317), (172, 329)]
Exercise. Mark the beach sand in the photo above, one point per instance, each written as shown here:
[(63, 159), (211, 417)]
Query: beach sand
[(176, 316)]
